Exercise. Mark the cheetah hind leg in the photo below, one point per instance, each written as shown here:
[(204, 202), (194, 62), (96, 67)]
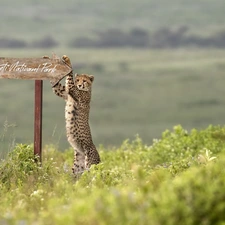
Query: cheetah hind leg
[(79, 163)]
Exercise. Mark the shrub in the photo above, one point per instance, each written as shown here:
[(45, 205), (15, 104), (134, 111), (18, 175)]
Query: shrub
[(45, 42), (82, 42), (19, 164), (12, 43), (22, 167), (180, 144), (195, 197), (178, 180)]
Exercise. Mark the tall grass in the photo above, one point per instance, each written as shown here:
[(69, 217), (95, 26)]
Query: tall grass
[(7, 138)]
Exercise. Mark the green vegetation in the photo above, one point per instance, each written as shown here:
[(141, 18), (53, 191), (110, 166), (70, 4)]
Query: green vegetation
[(177, 180), (172, 174)]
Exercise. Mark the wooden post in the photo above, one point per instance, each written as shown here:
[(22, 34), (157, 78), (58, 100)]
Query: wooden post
[(38, 119)]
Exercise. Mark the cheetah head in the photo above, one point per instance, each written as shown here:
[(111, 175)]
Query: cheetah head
[(83, 81)]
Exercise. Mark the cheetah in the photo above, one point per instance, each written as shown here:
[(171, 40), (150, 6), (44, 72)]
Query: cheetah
[(77, 95)]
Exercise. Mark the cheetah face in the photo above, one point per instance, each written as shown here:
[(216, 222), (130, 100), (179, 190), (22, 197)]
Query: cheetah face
[(83, 82)]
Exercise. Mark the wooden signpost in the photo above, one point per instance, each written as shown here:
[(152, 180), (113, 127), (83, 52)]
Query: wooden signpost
[(37, 69)]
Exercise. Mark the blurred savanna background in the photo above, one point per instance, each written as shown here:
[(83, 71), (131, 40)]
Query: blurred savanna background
[(157, 63)]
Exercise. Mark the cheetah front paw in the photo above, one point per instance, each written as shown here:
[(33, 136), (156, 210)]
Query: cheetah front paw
[(46, 57), (66, 59)]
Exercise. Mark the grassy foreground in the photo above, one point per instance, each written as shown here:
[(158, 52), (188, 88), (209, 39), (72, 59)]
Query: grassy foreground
[(180, 179)]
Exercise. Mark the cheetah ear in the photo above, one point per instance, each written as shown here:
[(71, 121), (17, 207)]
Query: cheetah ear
[(91, 78), (76, 74)]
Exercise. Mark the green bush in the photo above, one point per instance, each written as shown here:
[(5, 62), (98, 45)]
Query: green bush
[(178, 180), (19, 164), (181, 144), (22, 167), (195, 197)]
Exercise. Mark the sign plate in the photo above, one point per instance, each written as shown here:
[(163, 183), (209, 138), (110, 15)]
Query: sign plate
[(53, 69)]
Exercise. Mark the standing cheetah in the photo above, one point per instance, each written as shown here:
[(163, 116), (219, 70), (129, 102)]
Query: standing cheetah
[(77, 95)]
